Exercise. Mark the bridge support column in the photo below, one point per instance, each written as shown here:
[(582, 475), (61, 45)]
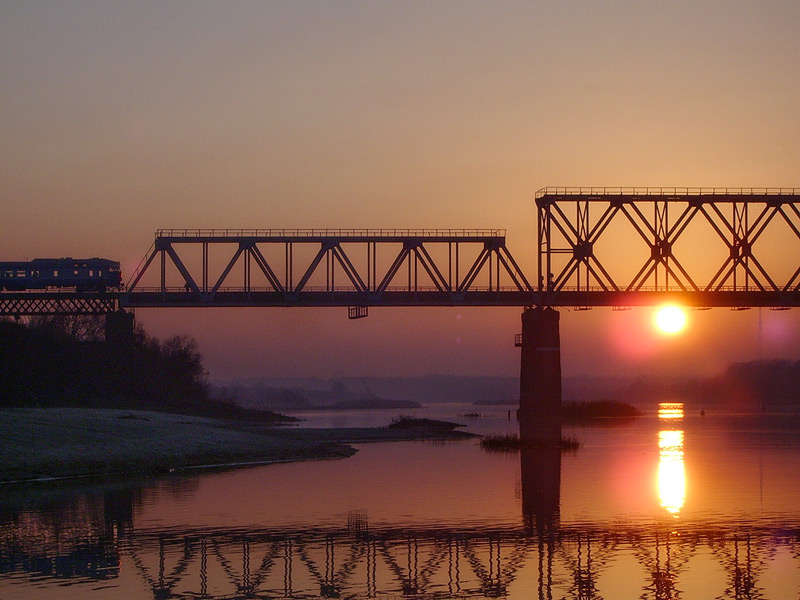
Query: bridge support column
[(119, 330), (119, 351), (540, 377)]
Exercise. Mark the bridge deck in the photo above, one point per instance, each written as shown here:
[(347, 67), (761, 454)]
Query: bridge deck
[(485, 297), (16, 304)]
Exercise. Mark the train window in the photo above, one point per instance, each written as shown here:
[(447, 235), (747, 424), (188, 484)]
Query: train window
[(76, 271), (91, 273), (55, 273), (21, 273)]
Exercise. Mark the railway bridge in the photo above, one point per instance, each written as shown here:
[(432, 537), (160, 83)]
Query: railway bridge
[(613, 247)]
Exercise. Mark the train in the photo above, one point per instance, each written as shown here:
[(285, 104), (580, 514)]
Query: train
[(85, 274)]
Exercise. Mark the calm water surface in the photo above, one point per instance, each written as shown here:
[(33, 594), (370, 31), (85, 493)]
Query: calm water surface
[(659, 508)]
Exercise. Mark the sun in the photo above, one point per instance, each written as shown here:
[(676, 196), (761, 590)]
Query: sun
[(670, 319)]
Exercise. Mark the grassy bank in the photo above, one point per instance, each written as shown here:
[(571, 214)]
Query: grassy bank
[(72, 442)]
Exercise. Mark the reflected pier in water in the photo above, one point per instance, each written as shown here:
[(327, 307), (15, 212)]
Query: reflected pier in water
[(541, 488)]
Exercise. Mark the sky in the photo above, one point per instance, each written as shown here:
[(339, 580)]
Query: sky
[(120, 118)]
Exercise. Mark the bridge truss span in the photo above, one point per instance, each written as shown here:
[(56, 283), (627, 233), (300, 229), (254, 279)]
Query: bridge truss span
[(705, 242), (617, 247), (324, 267)]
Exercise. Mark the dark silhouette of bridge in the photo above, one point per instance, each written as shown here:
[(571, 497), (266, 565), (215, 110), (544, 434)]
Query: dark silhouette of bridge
[(619, 247)]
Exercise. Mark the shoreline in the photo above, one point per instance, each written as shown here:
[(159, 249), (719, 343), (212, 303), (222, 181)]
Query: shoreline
[(52, 444)]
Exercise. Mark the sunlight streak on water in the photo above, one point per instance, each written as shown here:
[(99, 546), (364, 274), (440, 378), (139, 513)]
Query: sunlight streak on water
[(670, 411), (671, 471)]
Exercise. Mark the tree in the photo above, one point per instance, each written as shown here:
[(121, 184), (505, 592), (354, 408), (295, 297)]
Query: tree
[(82, 328)]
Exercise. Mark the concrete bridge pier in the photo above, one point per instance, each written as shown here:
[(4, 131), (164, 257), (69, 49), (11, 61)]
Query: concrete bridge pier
[(540, 377), (119, 351), (119, 330)]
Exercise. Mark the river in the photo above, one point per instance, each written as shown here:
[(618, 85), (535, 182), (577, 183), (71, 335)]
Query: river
[(669, 505)]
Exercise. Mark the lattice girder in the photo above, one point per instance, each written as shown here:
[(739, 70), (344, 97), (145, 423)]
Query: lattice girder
[(451, 262), (32, 304), (741, 220)]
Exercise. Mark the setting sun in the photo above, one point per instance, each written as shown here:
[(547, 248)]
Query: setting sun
[(670, 319)]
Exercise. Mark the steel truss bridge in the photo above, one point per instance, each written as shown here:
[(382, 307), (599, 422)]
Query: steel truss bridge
[(619, 247)]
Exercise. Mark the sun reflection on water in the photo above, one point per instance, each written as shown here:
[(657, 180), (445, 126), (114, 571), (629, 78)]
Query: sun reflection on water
[(671, 472), (668, 411)]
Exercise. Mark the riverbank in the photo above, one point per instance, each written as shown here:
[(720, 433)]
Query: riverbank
[(47, 443)]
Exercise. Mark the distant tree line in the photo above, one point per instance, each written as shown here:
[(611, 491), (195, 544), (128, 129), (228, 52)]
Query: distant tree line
[(742, 385), (761, 382), (64, 361)]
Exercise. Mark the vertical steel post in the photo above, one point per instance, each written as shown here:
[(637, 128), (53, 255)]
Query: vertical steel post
[(450, 265), (408, 256), (163, 271), (375, 265), (246, 263), (369, 268), (582, 240), (205, 267), (490, 270)]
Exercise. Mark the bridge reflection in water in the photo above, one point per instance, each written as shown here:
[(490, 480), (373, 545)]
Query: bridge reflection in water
[(541, 558)]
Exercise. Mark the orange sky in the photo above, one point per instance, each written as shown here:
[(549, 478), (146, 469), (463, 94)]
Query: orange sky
[(122, 118)]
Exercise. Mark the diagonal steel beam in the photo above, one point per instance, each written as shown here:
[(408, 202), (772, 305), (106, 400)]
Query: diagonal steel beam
[(323, 251), (266, 269), (474, 270), (757, 228), (763, 271), (789, 222), (433, 270), (605, 273), (182, 269), (427, 262), (788, 286), (226, 271), (405, 252), (559, 282), (144, 268), (348, 267), (719, 274), (643, 275), (513, 270)]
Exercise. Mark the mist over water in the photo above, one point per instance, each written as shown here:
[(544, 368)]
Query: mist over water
[(670, 504)]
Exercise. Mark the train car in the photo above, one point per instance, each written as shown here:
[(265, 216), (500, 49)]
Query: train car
[(95, 274)]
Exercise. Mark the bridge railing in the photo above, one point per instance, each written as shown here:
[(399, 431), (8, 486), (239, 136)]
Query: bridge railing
[(331, 233), (666, 191)]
